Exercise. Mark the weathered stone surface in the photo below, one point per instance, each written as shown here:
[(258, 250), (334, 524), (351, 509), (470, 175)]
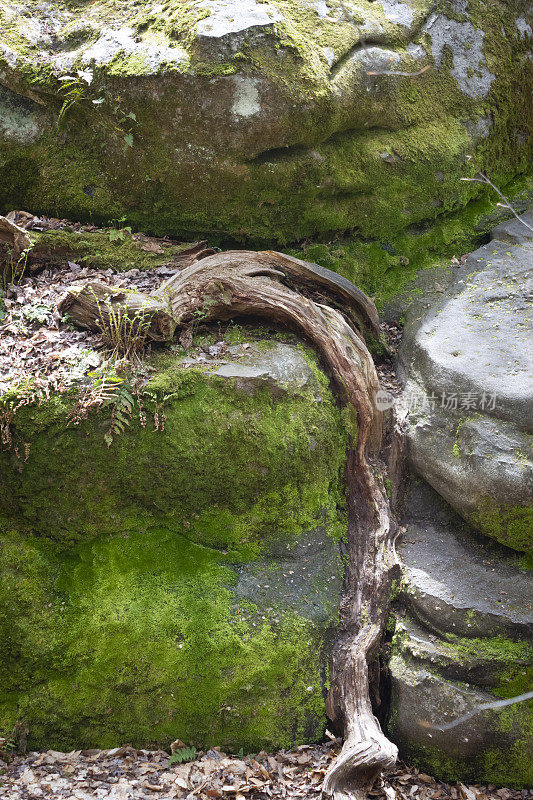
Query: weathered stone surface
[(468, 361), (464, 618), (457, 584), (492, 746), (514, 230), (281, 368), (185, 582), (271, 120)]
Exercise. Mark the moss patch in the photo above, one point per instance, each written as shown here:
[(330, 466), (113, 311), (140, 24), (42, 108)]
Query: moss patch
[(122, 600), (386, 270), (97, 251), (137, 638), (511, 526)]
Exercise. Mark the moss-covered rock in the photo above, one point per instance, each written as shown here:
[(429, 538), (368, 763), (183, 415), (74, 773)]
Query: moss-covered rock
[(183, 582), (265, 121), (489, 746), (465, 366), (461, 643)]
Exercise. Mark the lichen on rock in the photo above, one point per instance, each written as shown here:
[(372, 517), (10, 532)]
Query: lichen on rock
[(268, 123)]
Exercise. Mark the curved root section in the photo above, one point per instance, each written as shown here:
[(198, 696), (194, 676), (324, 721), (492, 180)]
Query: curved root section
[(357, 767), (335, 317)]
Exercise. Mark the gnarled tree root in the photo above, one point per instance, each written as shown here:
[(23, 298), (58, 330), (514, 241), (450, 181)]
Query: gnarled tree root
[(14, 243), (336, 318)]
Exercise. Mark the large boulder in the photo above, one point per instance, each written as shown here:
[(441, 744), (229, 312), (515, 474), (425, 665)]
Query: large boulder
[(272, 120), (466, 364), (462, 644), (183, 582)]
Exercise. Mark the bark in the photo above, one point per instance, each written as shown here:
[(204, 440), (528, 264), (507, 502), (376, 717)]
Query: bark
[(92, 305), (14, 243), (43, 255), (309, 299)]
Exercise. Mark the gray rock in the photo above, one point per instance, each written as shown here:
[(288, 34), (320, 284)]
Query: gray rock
[(281, 367), (276, 113), (456, 583), (464, 618), (307, 579), (467, 364), (490, 746), (514, 230), (466, 44), (19, 121), (398, 11)]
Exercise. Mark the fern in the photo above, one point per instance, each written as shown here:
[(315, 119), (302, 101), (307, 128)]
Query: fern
[(182, 755), (123, 405)]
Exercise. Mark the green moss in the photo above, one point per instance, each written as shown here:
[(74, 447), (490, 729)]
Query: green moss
[(512, 769), (390, 154), (132, 601), (138, 637), (249, 445), (97, 251), (386, 270), (511, 526), (494, 745), (512, 660)]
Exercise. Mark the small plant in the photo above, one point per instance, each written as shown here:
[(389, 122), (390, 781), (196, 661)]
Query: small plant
[(182, 754), (125, 124), (66, 319), (123, 331), (36, 312), (7, 747), (12, 269), (118, 234), (23, 394), (74, 90), (107, 390)]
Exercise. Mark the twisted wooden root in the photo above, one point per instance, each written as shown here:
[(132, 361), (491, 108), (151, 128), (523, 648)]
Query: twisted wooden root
[(335, 317)]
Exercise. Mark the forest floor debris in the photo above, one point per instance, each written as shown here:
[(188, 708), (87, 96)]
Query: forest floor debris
[(125, 773), (39, 346)]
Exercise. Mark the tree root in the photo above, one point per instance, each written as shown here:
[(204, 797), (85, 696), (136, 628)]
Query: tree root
[(14, 242), (336, 318)]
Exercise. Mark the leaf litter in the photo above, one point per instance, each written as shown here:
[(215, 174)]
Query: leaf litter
[(128, 773), (37, 344)]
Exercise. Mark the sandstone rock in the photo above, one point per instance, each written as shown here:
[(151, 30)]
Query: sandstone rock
[(185, 582), (467, 367), (281, 368), (264, 120), (464, 617), (459, 584)]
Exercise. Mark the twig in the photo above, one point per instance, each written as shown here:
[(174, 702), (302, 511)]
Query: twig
[(482, 178), (403, 74), (521, 698)]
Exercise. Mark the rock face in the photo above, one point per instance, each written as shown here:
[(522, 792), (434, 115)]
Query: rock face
[(272, 120), (185, 582), (467, 368), (464, 620)]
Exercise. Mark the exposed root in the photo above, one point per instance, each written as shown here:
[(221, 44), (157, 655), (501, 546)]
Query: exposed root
[(335, 317)]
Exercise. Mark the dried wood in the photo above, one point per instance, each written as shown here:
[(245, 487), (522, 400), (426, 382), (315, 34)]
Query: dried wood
[(14, 242), (302, 297), (92, 305)]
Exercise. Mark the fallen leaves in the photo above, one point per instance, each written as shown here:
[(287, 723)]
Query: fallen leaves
[(125, 773)]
